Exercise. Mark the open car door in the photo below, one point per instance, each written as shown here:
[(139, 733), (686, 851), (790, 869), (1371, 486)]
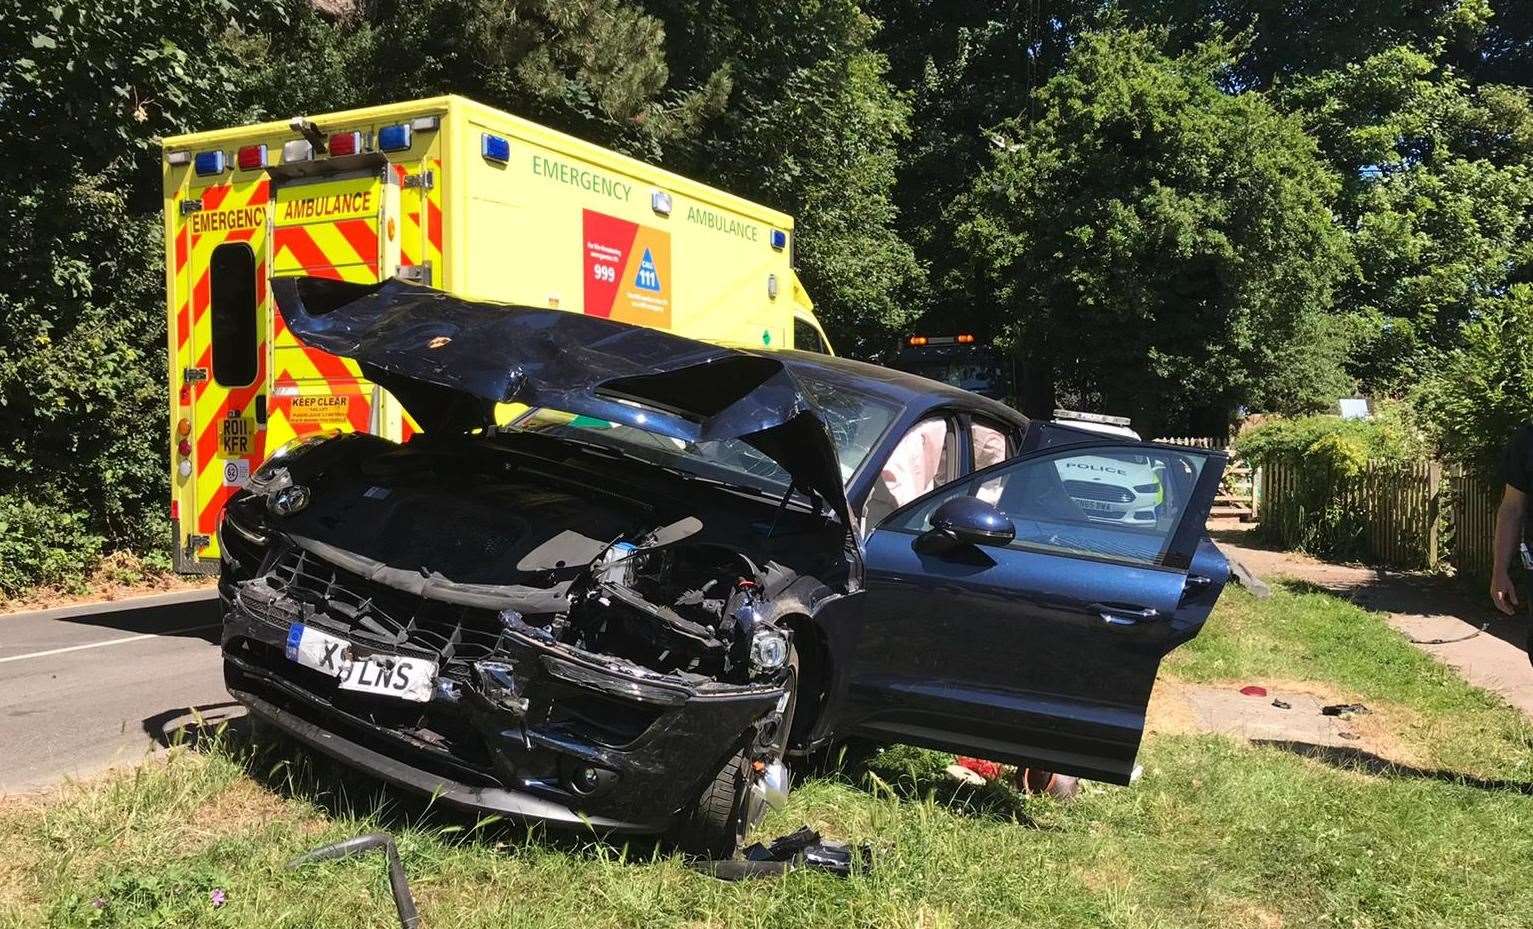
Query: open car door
[(1036, 638)]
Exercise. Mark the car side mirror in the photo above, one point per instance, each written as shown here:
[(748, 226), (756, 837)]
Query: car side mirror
[(972, 521)]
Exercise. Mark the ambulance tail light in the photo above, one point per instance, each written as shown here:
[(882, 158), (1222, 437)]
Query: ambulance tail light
[(209, 163), (184, 447), (175, 509), (251, 157), (965, 338), (297, 150), (345, 143), (184, 427), (917, 340), (395, 138)]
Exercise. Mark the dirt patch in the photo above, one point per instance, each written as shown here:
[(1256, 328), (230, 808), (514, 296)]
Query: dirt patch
[(1386, 730), (119, 577), (1455, 626)]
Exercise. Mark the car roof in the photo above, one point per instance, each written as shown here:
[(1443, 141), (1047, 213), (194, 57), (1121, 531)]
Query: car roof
[(901, 387)]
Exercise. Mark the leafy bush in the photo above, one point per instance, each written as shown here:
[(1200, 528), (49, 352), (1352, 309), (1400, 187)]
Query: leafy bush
[(1391, 435), (1328, 454), (42, 544), (1478, 393)]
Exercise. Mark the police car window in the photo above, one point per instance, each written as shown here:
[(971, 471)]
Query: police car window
[(1108, 503), (806, 338), (236, 339)]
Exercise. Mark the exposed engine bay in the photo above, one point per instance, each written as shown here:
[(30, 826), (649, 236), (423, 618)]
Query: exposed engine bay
[(692, 610), (579, 634)]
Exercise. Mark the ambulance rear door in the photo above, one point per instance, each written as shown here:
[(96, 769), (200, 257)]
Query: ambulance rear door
[(223, 323), (337, 218)]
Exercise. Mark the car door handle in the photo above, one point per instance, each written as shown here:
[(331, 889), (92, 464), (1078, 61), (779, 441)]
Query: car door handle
[(1125, 616)]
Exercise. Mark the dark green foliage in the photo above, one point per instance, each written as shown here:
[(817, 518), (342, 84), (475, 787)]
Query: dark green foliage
[(82, 322), (1157, 245), (812, 127), (1480, 391), (1437, 197), (1165, 208), (1331, 440)]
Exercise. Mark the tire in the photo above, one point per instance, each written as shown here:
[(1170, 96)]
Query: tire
[(715, 827), (718, 823)]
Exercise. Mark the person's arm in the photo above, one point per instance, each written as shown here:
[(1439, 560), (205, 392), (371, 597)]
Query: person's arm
[(1509, 517)]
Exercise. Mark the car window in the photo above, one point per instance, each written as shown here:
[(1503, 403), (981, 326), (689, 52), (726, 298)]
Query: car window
[(806, 338), (989, 445), (925, 458), (1121, 503)]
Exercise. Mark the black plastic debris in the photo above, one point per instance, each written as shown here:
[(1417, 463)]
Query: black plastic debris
[(404, 902), (1282, 704), (1344, 709), (803, 848)]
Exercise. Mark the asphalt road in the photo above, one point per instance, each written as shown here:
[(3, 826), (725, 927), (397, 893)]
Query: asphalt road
[(86, 687)]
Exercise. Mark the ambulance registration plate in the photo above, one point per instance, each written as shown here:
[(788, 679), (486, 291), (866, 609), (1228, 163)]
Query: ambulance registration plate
[(236, 436), (397, 676)]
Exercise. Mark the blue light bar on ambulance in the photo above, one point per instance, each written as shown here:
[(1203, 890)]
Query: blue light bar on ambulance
[(779, 239), (395, 138), (495, 148), (209, 163)]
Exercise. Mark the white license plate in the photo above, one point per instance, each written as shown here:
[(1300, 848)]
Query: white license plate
[(397, 676)]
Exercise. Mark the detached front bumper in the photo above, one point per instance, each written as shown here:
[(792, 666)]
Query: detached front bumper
[(552, 735)]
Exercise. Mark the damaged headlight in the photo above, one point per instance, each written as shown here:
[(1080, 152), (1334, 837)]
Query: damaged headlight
[(769, 649)]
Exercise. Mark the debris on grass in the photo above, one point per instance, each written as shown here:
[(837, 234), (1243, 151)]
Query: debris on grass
[(802, 848), (1344, 710), (404, 901)]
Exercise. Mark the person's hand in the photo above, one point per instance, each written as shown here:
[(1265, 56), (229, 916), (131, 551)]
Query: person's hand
[(1503, 593)]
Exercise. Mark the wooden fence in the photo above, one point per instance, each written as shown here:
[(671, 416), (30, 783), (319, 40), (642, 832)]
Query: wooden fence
[(1237, 493), (1418, 515)]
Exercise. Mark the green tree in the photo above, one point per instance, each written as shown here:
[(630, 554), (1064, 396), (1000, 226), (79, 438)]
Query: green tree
[(89, 88), (811, 127), (595, 68), (1294, 38), (1158, 246), (1476, 393), (1437, 197)]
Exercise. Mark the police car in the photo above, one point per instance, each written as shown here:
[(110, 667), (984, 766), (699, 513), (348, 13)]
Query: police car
[(1110, 488)]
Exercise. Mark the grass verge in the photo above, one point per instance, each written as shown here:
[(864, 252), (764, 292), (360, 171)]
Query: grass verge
[(1217, 834)]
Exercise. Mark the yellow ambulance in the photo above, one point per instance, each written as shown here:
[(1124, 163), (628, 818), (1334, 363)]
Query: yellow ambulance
[(444, 192)]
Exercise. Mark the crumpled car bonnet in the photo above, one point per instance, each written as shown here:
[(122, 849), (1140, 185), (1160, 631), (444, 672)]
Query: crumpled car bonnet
[(449, 361)]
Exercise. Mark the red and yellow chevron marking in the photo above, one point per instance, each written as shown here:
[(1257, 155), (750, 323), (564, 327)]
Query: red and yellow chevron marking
[(230, 213), (420, 236)]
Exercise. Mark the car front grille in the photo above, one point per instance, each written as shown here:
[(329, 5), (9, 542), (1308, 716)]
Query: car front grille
[(1107, 493), (371, 613)]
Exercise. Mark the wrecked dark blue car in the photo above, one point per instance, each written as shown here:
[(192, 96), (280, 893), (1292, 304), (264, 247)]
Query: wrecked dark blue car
[(629, 601)]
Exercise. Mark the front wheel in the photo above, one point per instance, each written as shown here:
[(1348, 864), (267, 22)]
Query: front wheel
[(728, 809)]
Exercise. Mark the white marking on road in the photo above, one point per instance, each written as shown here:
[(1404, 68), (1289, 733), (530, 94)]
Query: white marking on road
[(123, 641)]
